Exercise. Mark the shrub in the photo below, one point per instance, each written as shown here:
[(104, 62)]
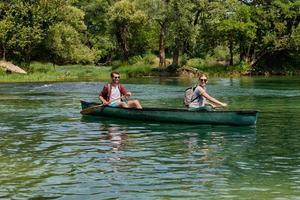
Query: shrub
[(195, 63), (221, 53), (183, 60), (149, 59), (242, 67), (136, 59), (135, 70)]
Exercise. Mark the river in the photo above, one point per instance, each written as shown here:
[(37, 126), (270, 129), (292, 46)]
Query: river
[(49, 151)]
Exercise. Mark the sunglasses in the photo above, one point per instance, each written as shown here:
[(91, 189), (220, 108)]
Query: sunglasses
[(116, 77), (203, 80)]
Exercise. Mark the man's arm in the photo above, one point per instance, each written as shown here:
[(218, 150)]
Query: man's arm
[(103, 94), (123, 91), (104, 102)]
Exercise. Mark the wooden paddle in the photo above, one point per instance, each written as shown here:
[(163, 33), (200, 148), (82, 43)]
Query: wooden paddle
[(93, 108)]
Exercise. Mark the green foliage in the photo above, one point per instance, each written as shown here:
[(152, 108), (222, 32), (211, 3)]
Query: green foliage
[(135, 70), (52, 26), (150, 59), (147, 59), (65, 43), (221, 53), (98, 27), (184, 59), (195, 63), (40, 72), (241, 68), (200, 33)]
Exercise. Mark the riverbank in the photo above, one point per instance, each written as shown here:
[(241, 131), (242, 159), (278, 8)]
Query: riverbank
[(47, 72)]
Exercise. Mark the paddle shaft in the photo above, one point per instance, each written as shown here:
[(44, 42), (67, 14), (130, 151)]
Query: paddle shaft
[(92, 108)]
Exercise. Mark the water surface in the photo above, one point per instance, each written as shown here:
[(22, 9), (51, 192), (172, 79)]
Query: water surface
[(48, 150)]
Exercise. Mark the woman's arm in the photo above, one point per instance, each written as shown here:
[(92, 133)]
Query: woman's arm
[(212, 99)]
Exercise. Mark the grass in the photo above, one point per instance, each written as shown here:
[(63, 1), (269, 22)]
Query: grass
[(47, 72), (42, 72), (139, 66), (135, 70)]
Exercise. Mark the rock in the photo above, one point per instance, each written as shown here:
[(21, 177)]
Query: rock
[(9, 67), (188, 71)]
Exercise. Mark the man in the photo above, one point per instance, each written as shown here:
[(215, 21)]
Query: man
[(113, 92)]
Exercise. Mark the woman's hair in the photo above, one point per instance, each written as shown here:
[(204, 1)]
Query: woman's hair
[(114, 72), (202, 74)]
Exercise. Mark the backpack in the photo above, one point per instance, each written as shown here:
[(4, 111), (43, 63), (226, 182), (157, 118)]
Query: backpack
[(188, 95)]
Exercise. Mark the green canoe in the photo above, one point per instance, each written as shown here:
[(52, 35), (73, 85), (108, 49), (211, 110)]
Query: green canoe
[(239, 118)]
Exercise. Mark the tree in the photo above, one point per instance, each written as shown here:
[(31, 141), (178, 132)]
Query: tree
[(99, 26), (124, 17), (182, 29), (276, 28), (21, 29), (28, 29), (159, 12), (64, 34), (237, 29)]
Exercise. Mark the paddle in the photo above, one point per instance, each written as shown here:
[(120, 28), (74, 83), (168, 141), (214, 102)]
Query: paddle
[(93, 108)]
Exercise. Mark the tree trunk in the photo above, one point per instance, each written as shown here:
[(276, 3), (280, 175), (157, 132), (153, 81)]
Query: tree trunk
[(176, 53), (4, 52), (231, 52), (121, 35), (162, 53), (109, 59)]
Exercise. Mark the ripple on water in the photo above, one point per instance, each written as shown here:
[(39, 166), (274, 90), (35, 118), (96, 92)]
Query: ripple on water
[(49, 151)]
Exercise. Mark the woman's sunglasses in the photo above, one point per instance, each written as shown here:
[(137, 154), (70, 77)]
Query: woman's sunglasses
[(203, 80)]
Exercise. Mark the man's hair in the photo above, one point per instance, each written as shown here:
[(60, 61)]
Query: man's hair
[(112, 73)]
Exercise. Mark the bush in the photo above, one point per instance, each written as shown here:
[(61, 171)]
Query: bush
[(136, 59), (183, 60), (135, 70), (242, 68), (195, 63), (149, 59), (2, 72), (221, 53)]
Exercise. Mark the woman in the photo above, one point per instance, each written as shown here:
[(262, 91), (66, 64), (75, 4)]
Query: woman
[(200, 97)]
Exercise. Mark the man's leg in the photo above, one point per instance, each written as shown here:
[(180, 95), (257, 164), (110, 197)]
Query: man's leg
[(134, 104), (123, 105)]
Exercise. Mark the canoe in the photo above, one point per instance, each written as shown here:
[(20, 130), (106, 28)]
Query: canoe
[(238, 118)]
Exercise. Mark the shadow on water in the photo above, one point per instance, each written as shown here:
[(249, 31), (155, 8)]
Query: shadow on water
[(169, 128), (118, 131)]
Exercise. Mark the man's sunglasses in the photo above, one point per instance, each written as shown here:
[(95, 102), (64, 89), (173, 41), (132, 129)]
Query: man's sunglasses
[(116, 77)]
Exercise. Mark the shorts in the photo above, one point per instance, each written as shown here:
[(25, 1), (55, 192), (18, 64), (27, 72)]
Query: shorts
[(114, 104)]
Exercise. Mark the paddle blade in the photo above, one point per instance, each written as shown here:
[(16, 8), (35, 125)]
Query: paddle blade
[(90, 110)]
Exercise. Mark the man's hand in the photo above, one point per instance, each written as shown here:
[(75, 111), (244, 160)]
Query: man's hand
[(105, 103)]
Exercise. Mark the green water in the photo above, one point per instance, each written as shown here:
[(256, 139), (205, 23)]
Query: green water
[(48, 151)]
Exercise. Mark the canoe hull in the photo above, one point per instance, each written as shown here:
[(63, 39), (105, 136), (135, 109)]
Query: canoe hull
[(240, 118)]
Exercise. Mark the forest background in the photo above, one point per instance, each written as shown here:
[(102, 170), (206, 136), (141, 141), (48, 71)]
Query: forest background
[(255, 36)]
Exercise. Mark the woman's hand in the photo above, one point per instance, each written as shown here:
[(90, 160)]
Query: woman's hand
[(224, 104), (128, 94)]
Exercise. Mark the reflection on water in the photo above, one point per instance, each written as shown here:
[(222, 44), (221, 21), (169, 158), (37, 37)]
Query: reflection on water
[(116, 134), (48, 150)]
